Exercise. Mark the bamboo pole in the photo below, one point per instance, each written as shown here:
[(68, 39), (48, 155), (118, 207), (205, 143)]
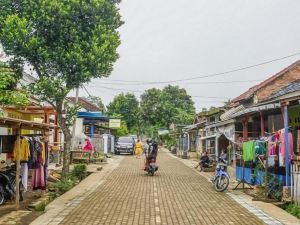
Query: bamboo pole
[(18, 169)]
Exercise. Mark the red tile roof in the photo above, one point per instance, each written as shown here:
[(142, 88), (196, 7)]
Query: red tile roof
[(255, 88), (86, 104)]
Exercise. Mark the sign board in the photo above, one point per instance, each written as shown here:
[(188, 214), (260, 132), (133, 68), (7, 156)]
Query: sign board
[(114, 123)]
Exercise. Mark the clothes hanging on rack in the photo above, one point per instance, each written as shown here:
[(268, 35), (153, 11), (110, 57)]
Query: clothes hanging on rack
[(37, 161), (282, 147), (249, 151), (260, 147), (24, 150), (24, 174), (273, 145), (272, 161), (38, 178)]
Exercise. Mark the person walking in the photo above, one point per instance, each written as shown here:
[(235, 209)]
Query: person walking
[(138, 149)]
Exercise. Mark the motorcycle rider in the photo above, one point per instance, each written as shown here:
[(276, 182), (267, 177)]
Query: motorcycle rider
[(151, 153)]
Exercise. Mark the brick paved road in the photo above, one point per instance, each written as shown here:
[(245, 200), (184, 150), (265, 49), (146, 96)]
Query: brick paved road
[(175, 195)]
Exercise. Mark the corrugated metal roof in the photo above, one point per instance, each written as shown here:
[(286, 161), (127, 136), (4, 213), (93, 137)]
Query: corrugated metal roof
[(228, 115), (295, 86)]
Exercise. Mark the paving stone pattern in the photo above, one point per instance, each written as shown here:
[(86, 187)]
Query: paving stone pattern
[(175, 195)]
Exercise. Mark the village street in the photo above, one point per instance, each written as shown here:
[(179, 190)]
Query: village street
[(176, 194)]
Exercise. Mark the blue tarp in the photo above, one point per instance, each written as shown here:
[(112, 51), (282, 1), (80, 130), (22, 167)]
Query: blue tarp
[(259, 176)]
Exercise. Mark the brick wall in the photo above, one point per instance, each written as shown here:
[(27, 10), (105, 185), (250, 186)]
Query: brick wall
[(282, 81)]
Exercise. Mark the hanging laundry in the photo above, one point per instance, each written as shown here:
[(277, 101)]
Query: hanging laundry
[(282, 148), (249, 150), (24, 150), (260, 147), (271, 161), (272, 140), (38, 178), (24, 174)]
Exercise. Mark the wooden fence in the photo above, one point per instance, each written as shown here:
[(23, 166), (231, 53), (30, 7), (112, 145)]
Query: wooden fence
[(295, 182)]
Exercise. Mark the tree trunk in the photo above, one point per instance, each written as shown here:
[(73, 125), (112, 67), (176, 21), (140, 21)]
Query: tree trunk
[(67, 141)]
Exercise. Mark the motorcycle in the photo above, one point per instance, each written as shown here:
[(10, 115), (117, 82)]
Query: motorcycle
[(151, 167), (8, 185), (221, 177)]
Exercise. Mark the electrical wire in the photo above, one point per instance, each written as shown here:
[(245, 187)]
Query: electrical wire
[(211, 75), (139, 91), (188, 83)]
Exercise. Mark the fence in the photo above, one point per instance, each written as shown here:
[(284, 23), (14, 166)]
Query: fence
[(295, 182)]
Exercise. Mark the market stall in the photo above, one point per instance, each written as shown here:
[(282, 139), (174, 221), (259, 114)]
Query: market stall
[(21, 147)]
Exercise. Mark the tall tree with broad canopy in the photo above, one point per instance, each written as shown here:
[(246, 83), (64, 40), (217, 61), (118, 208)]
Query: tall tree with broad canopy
[(67, 42), (9, 95), (127, 106), (172, 104)]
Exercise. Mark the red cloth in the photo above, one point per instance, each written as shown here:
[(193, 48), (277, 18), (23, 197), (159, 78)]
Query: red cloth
[(88, 146), (38, 178)]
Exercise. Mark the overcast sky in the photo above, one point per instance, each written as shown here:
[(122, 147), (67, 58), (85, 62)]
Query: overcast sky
[(166, 40)]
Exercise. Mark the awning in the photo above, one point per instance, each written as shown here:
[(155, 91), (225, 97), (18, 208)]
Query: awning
[(92, 115), (25, 124), (192, 127), (259, 108), (163, 132), (208, 137), (220, 123), (228, 115)]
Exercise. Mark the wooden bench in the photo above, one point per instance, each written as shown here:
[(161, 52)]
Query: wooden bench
[(80, 156)]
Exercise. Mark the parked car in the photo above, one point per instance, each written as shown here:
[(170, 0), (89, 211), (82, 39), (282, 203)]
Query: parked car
[(135, 137), (125, 145)]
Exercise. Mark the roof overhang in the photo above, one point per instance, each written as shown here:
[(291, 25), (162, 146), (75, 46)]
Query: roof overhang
[(258, 108), (24, 124)]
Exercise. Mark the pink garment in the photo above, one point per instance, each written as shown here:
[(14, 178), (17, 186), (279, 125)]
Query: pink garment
[(88, 146), (38, 178), (282, 147), (272, 145)]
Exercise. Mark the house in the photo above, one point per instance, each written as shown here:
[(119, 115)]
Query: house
[(264, 109)]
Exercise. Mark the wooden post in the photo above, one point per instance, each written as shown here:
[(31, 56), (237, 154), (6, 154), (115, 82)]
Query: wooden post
[(245, 128), (18, 169), (262, 125)]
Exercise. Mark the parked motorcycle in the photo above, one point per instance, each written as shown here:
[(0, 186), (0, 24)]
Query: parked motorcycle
[(8, 185), (221, 177)]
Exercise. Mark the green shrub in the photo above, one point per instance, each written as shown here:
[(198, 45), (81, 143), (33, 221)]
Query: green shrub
[(79, 172), (294, 210), (64, 185)]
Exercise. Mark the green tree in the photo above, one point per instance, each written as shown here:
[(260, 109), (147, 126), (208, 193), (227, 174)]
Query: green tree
[(97, 101), (67, 42), (9, 95), (172, 104), (127, 106)]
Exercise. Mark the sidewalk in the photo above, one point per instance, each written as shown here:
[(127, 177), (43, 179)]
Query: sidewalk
[(268, 212), (63, 205)]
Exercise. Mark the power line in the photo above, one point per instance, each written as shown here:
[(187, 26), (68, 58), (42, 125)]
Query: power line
[(213, 82), (86, 91), (139, 91), (213, 74)]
